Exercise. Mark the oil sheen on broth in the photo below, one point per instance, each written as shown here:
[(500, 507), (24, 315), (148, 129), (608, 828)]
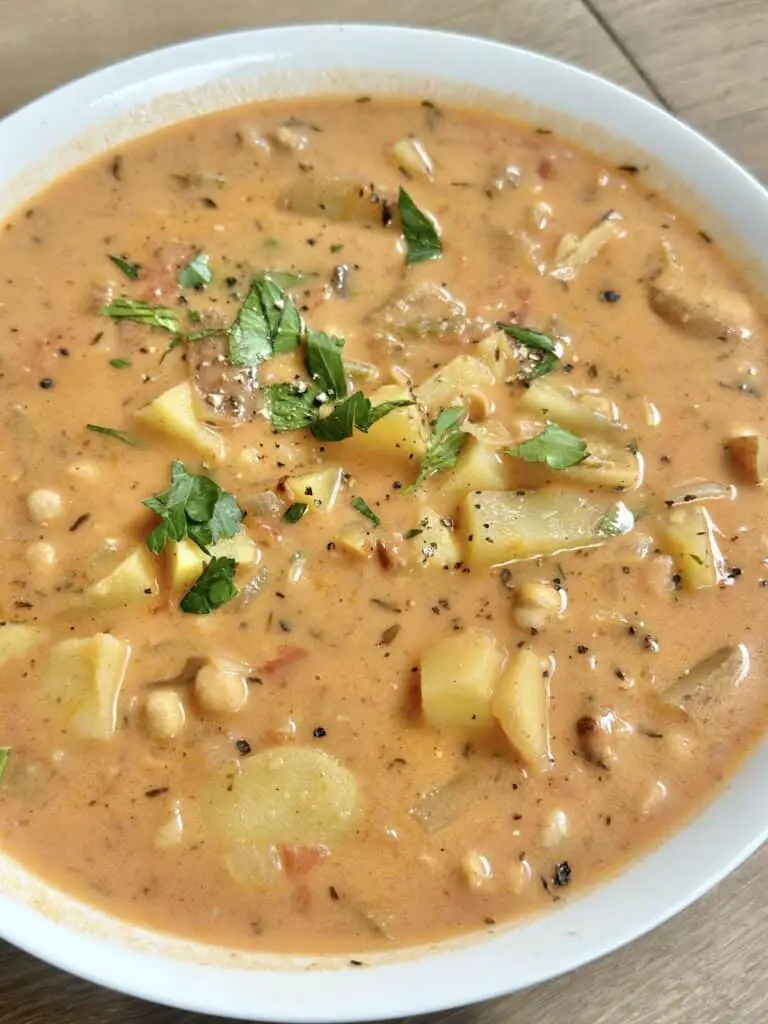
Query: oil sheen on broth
[(415, 635)]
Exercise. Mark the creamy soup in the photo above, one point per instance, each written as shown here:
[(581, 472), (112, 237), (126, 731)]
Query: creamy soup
[(385, 533)]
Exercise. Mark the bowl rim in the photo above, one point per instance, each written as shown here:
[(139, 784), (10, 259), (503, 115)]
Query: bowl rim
[(482, 969)]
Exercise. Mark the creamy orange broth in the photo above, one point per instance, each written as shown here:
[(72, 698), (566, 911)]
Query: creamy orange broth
[(324, 644)]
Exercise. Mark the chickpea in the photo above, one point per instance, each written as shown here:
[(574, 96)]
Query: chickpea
[(476, 870), (41, 555), (164, 714), (537, 604), (44, 505), (221, 687)]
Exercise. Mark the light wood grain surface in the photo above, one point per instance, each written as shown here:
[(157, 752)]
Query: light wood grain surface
[(707, 60)]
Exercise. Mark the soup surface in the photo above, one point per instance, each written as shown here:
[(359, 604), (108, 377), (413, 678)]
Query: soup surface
[(384, 532)]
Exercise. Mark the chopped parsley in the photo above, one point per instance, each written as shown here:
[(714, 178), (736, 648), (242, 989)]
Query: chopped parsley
[(357, 411), (444, 445), (267, 324), (131, 270), (545, 351), (295, 512), (323, 358), (196, 273), (140, 312), (120, 364), (555, 446), (410, 534), (361, 506), (291, 406), (422, 242), (119, 435), (213, 588), (194, 506), (5, 756)]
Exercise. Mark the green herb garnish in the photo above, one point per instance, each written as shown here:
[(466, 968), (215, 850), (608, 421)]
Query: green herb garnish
[(547, 348), (287, 279), (120, 364), (323, 358), (119, 435), (5, 756), (140, 312), (194, 506), (364, 509), (130, 270), (291, 406), (357, 411), (267, 324), (616, 521), (419, 231), (555, 446), (444, 445), (295, 512), (410, 534), (213, 588), (196, 273)]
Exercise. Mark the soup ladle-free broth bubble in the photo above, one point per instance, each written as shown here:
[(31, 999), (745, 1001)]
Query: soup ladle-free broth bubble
[(385, 525)]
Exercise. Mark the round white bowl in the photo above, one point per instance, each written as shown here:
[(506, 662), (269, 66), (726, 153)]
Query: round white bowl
[(55, 133)]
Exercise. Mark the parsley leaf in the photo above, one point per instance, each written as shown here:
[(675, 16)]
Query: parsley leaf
[(120, 364), (5, 756), (194, 506), (324, 363), (355, 411), (616, 521), (130, 270), (364, 509), (213, 588), (140, 312), (291, 406), (196, 273), (414, 532), (547, 349), (444, 446), (421, 238), (268, 323), (119, 435), (295, 512), (555, 446)]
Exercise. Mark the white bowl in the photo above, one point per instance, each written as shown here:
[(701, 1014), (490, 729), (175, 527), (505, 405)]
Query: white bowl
[(39, 143)]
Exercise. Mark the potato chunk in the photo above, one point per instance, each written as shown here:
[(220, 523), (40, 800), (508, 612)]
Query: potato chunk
[(505, 526), (479, 468), (436, 545), (610, 467), (521, 706), (711, 682), (283, 795), (749, 454), (689, 536), (340, 199), (187, 561), (558, 403), (17, 640), (133, 580), (699, 306), (458, 674), (400, 432), (319, 491), (173, 414), (84, 679), (457, 381)]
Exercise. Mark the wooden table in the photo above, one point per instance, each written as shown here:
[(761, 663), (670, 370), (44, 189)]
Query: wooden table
[(706, 60)]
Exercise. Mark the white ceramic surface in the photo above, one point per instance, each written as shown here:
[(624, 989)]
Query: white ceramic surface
[(111, 106)]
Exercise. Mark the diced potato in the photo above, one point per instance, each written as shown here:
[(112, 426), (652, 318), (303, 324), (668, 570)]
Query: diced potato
[(606, 466), (411, 156), (133, 580), (574, 252), (318, 491), (560, 404), (84, 679), (356, 538), (283, 795), (436, 545), (458, 674), (711, 682), (339, 199), (505, 526), (400, 432), (497, 352), (173, 414), (698, 305), (749, 454), (688, 535), (254, 865), (17, 640), (187, 561), (455, 382), (479, 468), (521, 706)]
